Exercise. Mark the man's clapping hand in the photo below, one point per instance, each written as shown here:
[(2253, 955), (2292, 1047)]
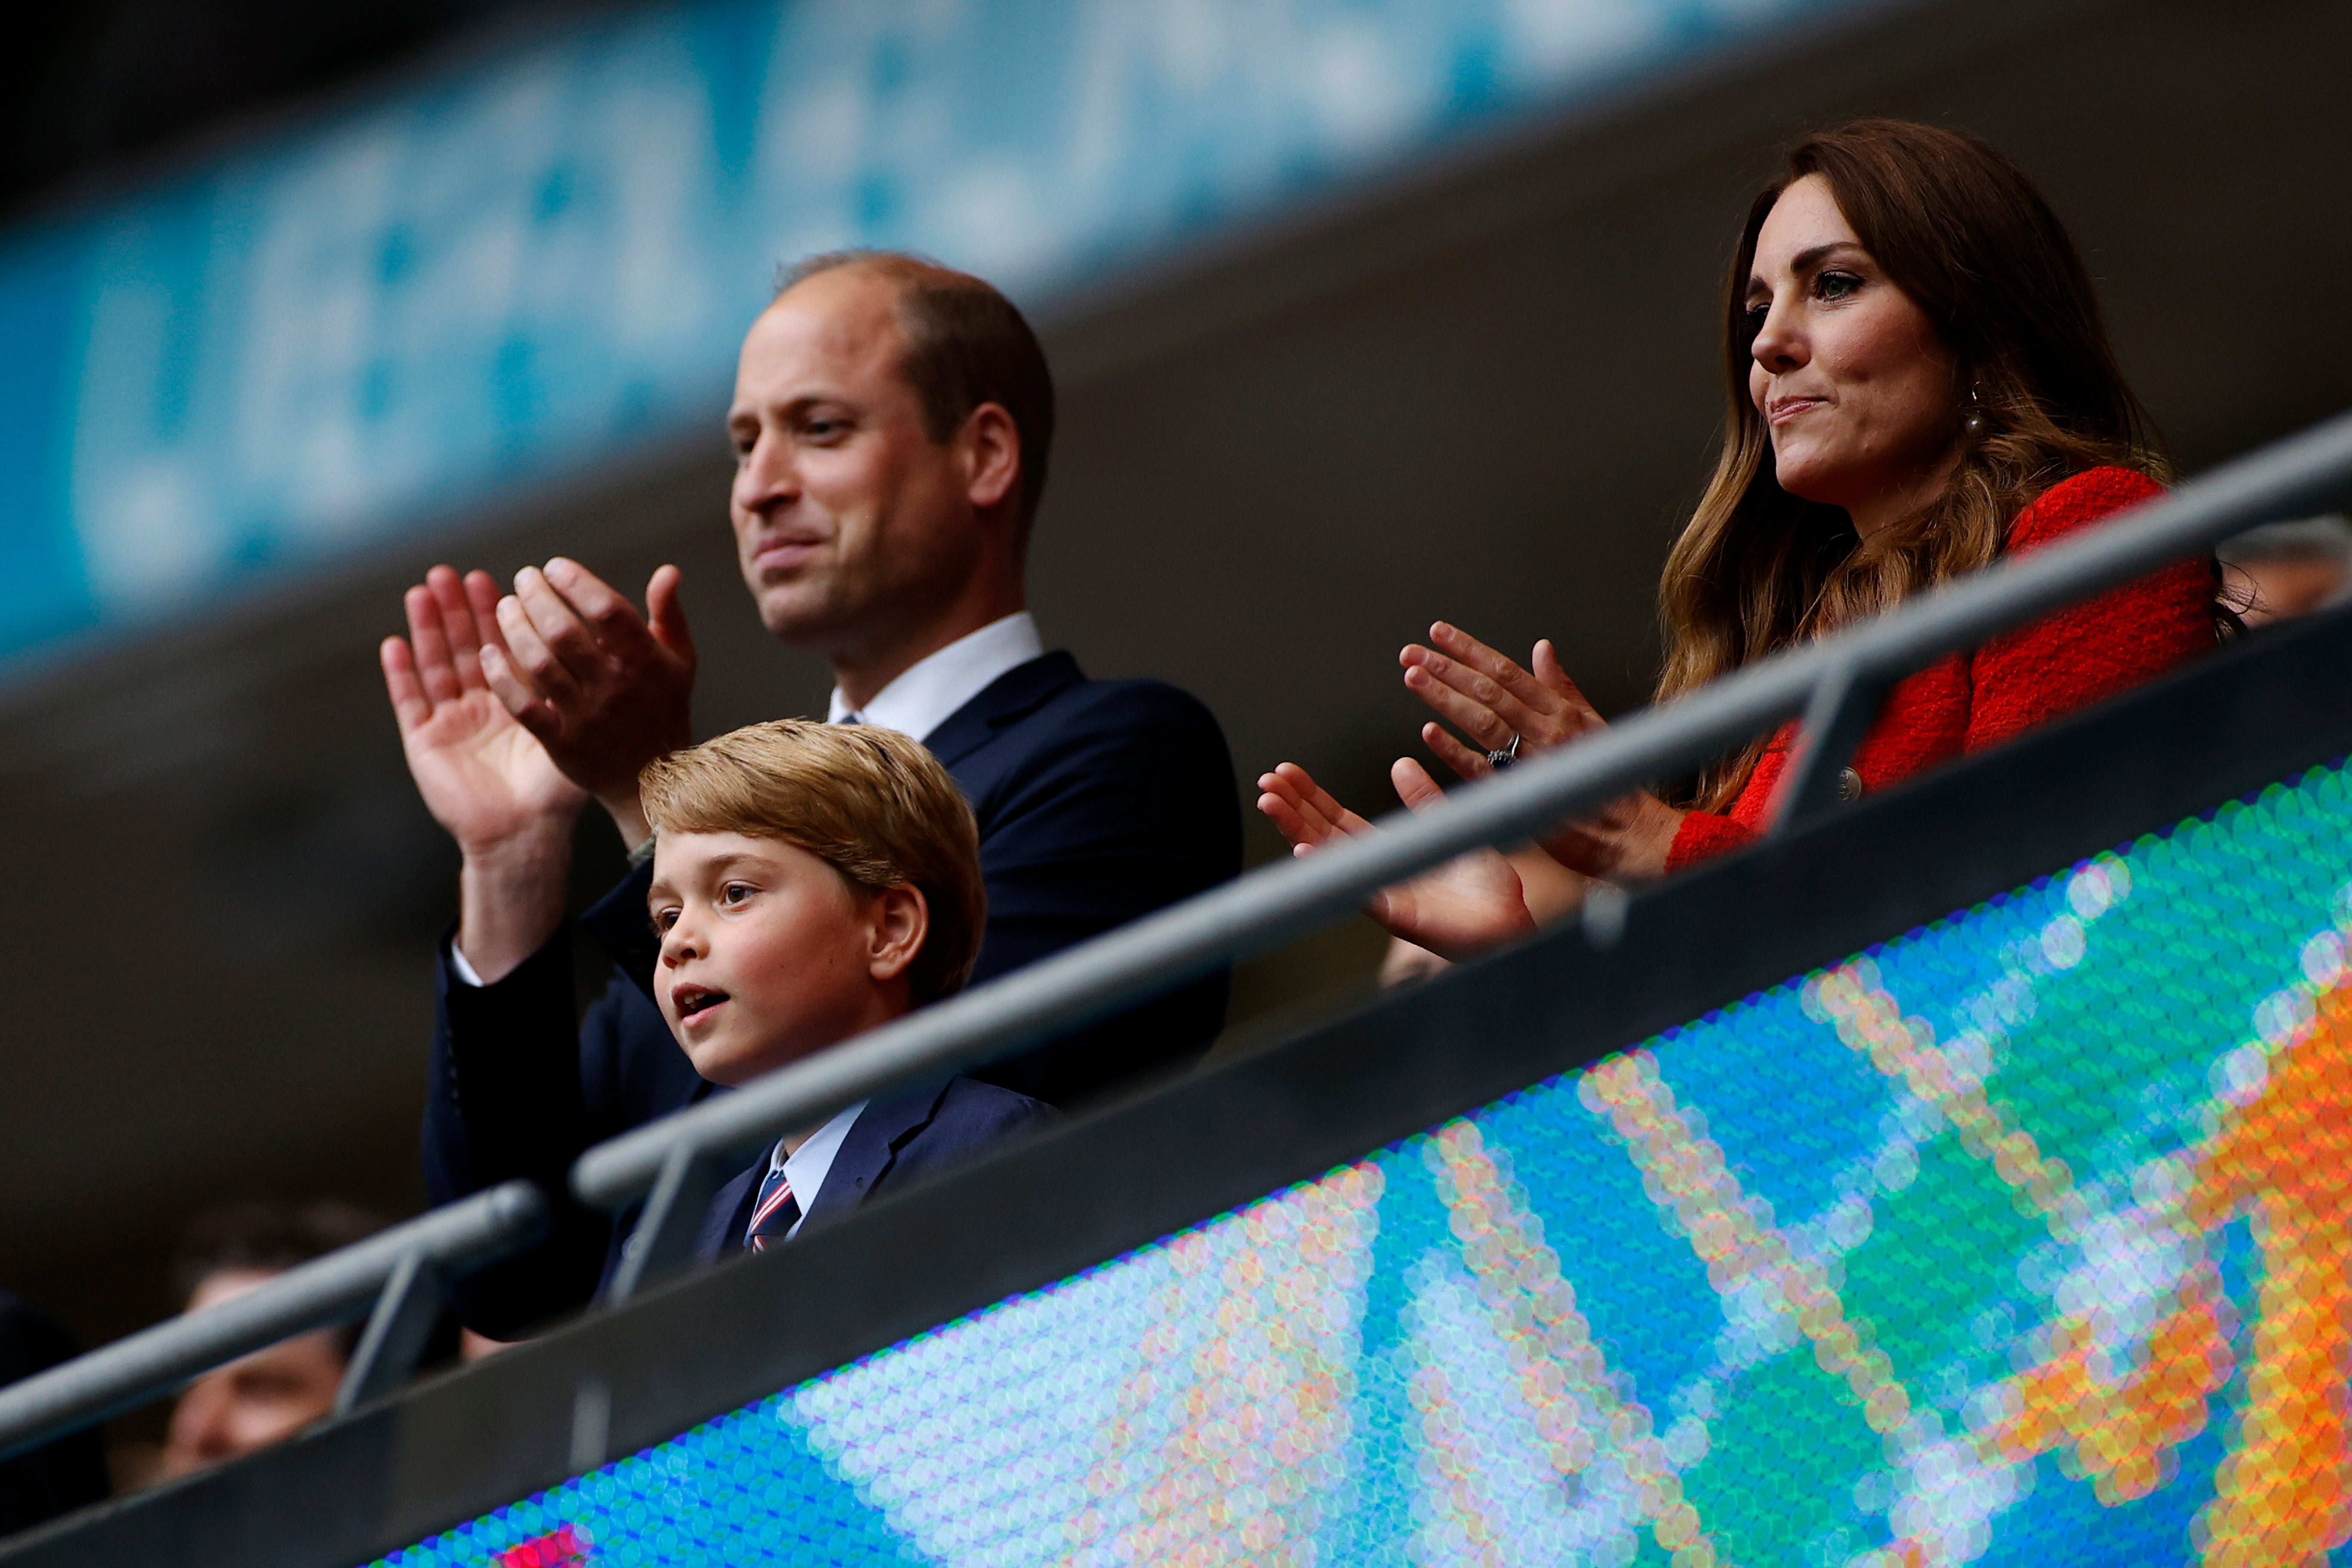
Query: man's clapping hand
[(605, 690), (483, 777)]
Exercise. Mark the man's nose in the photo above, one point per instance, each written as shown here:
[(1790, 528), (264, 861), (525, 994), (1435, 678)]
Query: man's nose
[(768, 477), (202, 1430)]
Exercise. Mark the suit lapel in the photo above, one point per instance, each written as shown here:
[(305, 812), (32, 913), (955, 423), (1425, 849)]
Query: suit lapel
[(1015, 694), (866, 1153), (730, 1214), (871, 1148)]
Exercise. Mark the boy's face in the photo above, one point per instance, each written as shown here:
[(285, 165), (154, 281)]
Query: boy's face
[(768, 953)]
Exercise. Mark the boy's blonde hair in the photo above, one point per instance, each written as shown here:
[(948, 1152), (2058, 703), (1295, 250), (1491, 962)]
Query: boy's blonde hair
[(871, 802)]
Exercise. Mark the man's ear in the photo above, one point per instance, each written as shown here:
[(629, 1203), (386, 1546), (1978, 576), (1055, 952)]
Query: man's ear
[(901, 921), (992, 447)]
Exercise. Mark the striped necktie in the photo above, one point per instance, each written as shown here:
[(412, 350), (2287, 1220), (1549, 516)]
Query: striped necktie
[(775, 1214)]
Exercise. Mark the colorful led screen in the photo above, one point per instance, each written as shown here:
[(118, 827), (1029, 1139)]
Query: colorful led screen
[(2025, 1238)]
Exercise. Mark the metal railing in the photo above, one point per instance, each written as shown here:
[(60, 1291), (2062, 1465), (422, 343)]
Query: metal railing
[(1837, 684), (397, 1278)]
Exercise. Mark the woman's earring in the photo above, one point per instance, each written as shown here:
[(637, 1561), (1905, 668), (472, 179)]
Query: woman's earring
[(1975, 420)]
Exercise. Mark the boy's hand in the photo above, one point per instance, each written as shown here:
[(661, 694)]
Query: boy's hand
[(483, 777), (605, 689)]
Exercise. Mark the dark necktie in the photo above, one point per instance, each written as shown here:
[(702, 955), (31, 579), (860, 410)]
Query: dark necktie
[(773, 1216)]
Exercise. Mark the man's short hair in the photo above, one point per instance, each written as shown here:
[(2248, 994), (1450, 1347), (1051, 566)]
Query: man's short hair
[(966, 344), (268, 1237), (871, 802)]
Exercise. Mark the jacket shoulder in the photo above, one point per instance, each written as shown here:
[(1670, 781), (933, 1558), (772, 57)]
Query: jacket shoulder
[(2079, 501), (1146, 705), (959, 1123), (969, 1107), (1104, 730)]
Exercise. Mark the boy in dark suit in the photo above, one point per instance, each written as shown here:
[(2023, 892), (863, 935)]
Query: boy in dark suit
[(810, 882)]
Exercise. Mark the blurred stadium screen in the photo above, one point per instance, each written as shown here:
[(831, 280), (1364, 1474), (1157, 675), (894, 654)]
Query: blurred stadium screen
[(2025, 1237), (518, 267)]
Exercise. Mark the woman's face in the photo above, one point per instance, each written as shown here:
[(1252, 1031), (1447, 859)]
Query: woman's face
[(1849, 375)]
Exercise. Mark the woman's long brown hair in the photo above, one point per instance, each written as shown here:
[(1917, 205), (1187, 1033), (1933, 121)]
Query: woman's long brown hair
[(1963, 233)]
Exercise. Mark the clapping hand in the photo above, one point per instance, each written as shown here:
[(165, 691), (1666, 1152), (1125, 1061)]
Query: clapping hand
[(605, 689), (484, 777), (1470, 903), (1494, 700)]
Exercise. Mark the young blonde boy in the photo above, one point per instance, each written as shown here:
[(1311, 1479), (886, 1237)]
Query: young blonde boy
[(812, 882)]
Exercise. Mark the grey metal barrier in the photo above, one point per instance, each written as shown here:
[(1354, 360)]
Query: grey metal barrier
[(404, 1271), (1837, 685)]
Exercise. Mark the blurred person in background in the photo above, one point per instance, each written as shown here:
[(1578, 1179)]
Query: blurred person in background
[(891, 424), (2282, 570), (1918, 382), (270, 1395), (59, 1476)]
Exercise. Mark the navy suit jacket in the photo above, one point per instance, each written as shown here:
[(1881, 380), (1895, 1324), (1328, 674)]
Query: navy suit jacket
[(896, 1141), (1097, 801)]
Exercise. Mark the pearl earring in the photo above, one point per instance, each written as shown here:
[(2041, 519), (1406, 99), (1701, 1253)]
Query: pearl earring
[(1975, 420)]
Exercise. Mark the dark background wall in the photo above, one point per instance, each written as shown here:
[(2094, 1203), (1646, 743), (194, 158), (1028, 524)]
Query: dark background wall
[(89, 90), (1486, 392)]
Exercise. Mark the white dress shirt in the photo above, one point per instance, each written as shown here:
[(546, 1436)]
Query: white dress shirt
[(931, 689), (917, 702), (806, 1167)]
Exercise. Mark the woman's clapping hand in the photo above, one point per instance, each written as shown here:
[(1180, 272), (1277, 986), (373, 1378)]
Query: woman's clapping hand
[(1491, 698), (1478, 900), (1465, 906)]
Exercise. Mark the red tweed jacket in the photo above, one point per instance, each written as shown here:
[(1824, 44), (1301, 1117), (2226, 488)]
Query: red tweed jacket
[(1966, 702)]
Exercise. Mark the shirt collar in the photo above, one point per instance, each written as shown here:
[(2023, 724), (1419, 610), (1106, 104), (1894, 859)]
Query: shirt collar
[(933, 687), (806, 1167)]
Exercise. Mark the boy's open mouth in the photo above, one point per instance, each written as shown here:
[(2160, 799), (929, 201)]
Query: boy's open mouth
[(691, 999)]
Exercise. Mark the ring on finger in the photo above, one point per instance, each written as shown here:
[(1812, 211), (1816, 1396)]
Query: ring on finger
[(1504, 756)]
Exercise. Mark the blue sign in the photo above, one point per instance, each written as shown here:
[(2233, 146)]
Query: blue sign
[(533, 262)]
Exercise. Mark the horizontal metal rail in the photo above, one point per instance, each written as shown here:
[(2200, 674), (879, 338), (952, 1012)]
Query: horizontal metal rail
[(2305, 473), (377, 1273)]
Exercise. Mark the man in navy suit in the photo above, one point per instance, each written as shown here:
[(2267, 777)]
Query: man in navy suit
[(891, 423)]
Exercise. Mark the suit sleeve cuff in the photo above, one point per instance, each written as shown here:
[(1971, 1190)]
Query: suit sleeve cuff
[(618, 922)]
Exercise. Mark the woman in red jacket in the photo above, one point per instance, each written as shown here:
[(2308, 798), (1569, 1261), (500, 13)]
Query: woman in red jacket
[(1919, 382)]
